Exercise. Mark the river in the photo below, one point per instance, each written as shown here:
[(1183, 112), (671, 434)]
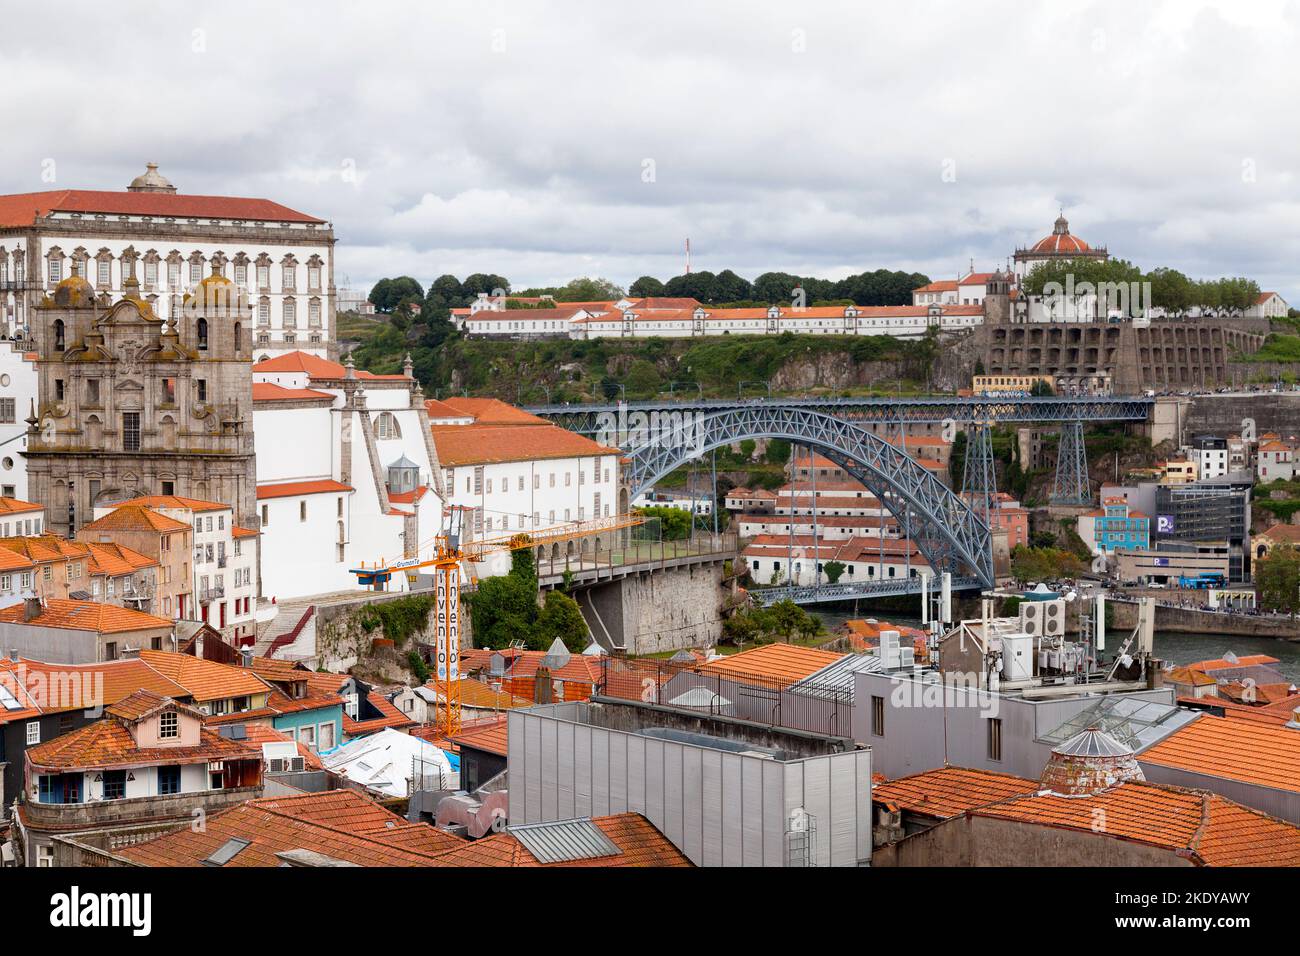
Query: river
[(1178, 648)]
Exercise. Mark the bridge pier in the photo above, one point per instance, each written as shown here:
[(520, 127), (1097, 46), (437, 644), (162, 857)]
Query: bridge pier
[(979, 479), (1072, 486)]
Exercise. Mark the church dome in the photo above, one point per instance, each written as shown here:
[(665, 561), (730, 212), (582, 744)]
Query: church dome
[(1061, 242), (74, 292), (151, 181)]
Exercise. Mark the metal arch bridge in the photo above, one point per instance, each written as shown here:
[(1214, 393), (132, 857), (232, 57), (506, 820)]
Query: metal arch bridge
[(609, 417), (944, 528), (890, 587)]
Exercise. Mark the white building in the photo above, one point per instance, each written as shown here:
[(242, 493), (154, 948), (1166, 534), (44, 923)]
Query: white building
[(346, 473), (392, 764), (17, 395), (1268, 305), (700, 504), (517, 472), (225, 566), (281, 258), (1276, 460)]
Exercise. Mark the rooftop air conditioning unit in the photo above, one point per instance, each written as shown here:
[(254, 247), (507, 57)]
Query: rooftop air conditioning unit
[(1043, 618)]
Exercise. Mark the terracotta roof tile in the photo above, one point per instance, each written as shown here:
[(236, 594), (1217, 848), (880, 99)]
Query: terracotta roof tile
[(205, 680), (491, 739), (23, 208), (108, 743), (1224, 747), (780, 663), (640, 843), (291, 489), (486, 444), (950, 791), (176, 502), (1203, 827), (85, 616), (135, 518), (114, 559), (340, 824), (11, 506), (270, 392)]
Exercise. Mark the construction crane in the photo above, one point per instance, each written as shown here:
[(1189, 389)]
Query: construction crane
[(448, 553)]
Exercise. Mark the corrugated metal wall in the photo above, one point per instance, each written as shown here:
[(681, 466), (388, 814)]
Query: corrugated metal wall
[(719, 808)]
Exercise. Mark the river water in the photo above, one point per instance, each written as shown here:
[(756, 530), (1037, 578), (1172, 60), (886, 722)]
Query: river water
[(1178, 648)]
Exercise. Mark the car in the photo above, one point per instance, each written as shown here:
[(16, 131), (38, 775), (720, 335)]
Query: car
[(1156, 586)]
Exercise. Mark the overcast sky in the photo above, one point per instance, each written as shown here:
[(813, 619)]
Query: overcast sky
[(544, 140)]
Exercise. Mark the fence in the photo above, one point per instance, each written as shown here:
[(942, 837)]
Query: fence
[(640, 551), (819, 707)]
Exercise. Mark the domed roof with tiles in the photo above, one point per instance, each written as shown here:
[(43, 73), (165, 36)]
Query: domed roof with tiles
[(1088, 763), (1061, 242)]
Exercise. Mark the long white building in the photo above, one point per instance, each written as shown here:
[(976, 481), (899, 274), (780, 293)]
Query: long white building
[(17, 394), (282, 260), (628, 319)]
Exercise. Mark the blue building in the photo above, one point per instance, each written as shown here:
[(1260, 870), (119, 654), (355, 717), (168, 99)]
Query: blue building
[(1117, 526)]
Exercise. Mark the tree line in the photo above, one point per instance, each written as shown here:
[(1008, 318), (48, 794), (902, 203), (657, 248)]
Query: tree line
[(1171, 290)]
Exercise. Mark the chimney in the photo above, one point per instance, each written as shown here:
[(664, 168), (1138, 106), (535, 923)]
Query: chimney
[(246, 656), (13, 654), (31, 608)]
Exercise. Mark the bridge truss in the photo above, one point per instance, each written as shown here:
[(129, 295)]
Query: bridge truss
[(945, 530)]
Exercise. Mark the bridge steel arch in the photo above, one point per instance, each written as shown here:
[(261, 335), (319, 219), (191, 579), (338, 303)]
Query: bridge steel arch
[(946, 531)]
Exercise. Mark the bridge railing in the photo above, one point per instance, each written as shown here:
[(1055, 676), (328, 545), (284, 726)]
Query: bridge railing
[(634, 551), (711, 690)]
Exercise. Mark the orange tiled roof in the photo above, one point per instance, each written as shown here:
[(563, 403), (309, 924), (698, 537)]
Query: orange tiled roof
[(238, 532), (44, 547), (1282, 532), (109, 682), (205, 680), (176, 502), (316, 367), (950, 791), (11, 506), (22, 209), (639, 840), (85, 616), (479, 444), (108, 743), (492, 738), (270, 392), (1219, 664), (780, 663), (341, 824), (290, 489), (524, 664), (12, 561), (491, 411), (135, 518), (1200, 826), (1233, 749), (114, 559)]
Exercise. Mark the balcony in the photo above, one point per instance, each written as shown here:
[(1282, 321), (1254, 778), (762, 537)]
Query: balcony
[(100, 813), (208, 595)]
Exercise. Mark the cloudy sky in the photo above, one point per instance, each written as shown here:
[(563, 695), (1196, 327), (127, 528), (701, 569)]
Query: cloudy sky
[(545, 140)]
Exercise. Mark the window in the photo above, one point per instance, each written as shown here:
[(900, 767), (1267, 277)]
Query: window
[(114, 784), (264, 311), (33, 732), (290, 278), (196, 271), (307, 737), (878, 716), (264, 277), (7, 411), (104, 272), (302, 511), (241, 275), (169, 780), (313, 313), (313, 277), (201, 386), (265, 516), (202, 331), (150, 274), (169, 725), (995, 738), (386, 426), (56, 271), (58, 389), (130, 431), (290, 314), (92, 391), (45, 855)]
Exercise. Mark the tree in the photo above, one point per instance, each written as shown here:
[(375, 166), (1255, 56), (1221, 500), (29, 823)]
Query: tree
[(778, 451), (645, 287), (483, 282), (1277, 578), (388, 293), (561, 617), (589, 290), (674, 523), (833, 569)]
